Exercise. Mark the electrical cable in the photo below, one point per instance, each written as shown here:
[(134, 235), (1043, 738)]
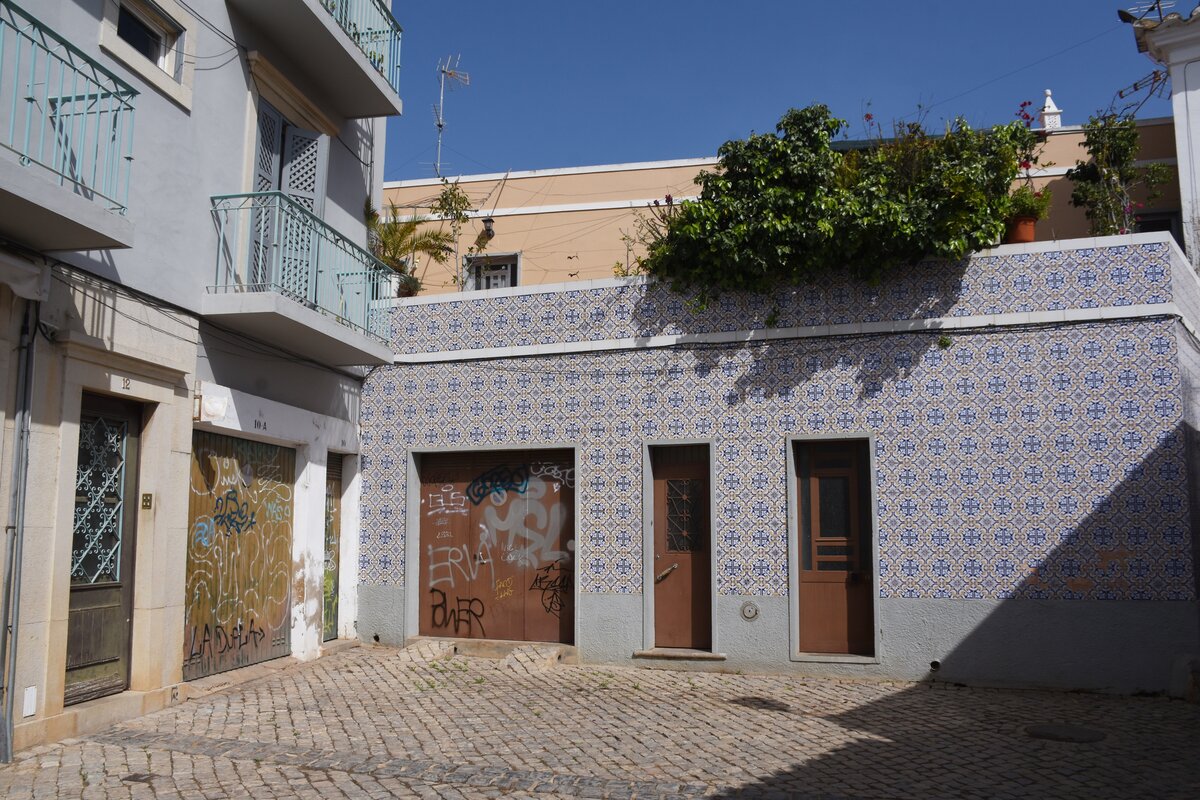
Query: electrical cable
[(1010, 73)]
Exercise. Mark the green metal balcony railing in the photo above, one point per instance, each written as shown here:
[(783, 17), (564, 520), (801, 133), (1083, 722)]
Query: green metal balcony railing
[(62, 112), (376, 32), (267, 242)]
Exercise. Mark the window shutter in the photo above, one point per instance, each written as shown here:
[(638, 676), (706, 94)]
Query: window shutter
[(266, 164), (262, 265), (304, 155)]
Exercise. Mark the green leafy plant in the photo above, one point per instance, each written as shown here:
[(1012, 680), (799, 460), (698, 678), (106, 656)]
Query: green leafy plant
[(454, 207), (1104, 185), (649, 226), (1025, 201), (397, 243), (782, 208)]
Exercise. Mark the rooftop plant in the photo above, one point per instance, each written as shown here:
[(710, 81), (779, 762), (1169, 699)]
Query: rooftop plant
[(1026, 201), (784, 207), (1104, 185), (397, 242)]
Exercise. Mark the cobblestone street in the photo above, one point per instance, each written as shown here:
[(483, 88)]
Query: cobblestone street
[(378, 722)]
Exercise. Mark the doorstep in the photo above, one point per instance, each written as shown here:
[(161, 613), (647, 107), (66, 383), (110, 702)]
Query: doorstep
[(678, 654)]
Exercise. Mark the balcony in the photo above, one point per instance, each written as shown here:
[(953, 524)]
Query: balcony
[(66, 141), (287, 278), (348, 49)]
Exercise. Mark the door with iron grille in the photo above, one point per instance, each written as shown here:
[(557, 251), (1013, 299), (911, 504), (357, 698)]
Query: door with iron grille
[(99, 622), (682, 573), (836, 566), (238, 591)]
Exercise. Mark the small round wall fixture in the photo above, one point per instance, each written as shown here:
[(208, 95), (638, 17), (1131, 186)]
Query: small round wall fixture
[(749, 611)]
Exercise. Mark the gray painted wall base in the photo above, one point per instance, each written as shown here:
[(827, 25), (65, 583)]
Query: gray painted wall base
[(381, 614), (1099, 645), (610, 627)]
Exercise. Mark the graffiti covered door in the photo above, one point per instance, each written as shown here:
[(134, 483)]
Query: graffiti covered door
[(99, 621), (239, 554), (682, 574), (333, 545), (497, 545)]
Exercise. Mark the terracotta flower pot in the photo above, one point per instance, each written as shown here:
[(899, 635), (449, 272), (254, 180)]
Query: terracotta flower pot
[(1021, 230)]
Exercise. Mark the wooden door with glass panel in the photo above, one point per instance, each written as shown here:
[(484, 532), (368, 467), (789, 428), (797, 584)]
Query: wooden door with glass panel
[(100, 619), (836, 563), (682, 573)]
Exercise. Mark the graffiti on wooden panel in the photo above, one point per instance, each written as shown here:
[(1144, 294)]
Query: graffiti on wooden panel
[(498, 550), (239, 554)]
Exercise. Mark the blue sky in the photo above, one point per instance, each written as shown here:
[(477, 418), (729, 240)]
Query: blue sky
[(558, 84)]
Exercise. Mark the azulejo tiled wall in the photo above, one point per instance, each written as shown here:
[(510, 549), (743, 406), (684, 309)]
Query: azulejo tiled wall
[(1047, 281), (1027, 462)]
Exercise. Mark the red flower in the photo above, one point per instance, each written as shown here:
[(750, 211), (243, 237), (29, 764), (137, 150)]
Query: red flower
[(1026, 164), (868, 117)]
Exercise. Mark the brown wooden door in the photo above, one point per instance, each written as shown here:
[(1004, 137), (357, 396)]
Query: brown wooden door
[(836, 566), (682, 559), (99, 622), (238, 591), (333, 546), (497, 545)]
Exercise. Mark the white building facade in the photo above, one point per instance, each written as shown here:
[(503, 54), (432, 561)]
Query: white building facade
[(188, 310)]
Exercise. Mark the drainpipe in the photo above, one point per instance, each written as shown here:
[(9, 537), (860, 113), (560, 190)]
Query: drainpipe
[(14, 531)]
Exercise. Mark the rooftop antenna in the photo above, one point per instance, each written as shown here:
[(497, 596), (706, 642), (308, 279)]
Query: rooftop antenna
[(1140, 12), (445, 70)]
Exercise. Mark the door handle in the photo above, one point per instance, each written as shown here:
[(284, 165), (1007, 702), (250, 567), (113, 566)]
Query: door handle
[(662, 576)]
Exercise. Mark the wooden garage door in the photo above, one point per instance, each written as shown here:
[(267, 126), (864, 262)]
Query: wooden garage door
[(497, 545), (237, 604)]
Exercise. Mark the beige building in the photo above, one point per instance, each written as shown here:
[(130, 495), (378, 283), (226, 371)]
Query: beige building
[(579, 223)]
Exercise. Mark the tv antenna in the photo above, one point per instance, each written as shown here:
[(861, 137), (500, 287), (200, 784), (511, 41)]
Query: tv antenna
[(1141, 11), (446, 69)]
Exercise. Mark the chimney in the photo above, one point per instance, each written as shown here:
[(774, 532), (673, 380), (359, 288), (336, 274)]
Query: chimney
[(1051, 115)]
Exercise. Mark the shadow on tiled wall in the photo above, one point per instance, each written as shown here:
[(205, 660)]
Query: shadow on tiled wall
[(1112, 608), (926, 291)]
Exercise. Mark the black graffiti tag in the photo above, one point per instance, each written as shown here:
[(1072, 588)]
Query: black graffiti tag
[(497, 481), (553, 581), (217, 640), (232, 516), (467, 612)]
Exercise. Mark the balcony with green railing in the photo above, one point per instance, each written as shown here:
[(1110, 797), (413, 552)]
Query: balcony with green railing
[(348, 50), (371, 26), (286, 277), (66, 140)]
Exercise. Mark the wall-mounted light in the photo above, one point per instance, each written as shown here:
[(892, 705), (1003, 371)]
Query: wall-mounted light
[(489, 227)]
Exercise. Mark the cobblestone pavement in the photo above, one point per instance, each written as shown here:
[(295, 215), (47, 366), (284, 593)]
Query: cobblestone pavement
[(378, 722)]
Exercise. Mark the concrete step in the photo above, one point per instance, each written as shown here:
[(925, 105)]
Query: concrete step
[(550, 653)]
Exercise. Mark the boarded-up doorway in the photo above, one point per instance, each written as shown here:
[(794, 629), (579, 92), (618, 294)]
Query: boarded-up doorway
[(99, 622), (497, 545), (682, 556), (237, 602), (836, 562)]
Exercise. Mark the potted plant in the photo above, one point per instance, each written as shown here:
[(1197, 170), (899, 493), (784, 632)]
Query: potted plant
[(397, 243), (1026, 206)]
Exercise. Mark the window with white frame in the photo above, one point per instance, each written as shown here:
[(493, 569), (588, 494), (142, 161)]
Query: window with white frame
[(491, 271), (154, 39)]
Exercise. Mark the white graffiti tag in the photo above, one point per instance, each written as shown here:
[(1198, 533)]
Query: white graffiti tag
[(447, 501), (557, 471), (530, 546), (450, 564)]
